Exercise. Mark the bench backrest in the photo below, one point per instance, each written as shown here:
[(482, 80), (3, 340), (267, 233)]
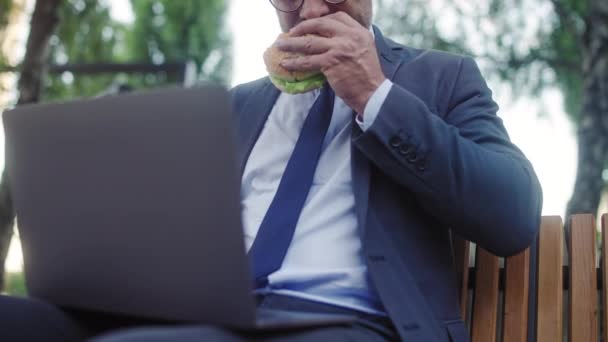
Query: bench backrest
[(499, 302)]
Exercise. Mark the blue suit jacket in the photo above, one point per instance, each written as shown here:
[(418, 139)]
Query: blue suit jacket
[(437, 159)]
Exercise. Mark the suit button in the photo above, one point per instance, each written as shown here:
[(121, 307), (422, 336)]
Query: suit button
[(405, 149), (411, 157), (395, 141), (410, 326), (421, 166), (376, 258)]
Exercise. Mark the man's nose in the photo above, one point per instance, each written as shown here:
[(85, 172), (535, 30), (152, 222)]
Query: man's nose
[(314, 9)]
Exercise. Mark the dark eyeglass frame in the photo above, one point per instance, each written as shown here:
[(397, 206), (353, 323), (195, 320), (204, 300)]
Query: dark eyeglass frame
[(273, 3)]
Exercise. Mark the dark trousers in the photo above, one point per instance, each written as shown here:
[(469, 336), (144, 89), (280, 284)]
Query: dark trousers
[(30, 320)]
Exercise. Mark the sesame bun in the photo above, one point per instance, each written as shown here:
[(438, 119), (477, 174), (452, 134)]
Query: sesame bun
[(287, 81)]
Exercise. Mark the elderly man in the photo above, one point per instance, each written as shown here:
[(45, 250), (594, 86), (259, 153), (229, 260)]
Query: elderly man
[(411, 150)]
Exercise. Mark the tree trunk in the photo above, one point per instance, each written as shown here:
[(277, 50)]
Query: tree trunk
[(42, 25), (44, 21), (593, 130)]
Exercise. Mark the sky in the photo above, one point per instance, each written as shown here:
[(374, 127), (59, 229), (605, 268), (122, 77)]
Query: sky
[(547, 141)]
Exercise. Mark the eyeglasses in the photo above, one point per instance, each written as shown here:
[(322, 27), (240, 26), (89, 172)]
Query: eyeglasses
[(294, 5)]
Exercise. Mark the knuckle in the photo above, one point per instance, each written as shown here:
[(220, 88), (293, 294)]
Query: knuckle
[(358, 36), (308, 45), (333, 60), (347, 46), (337, 56), (306, 63), (324, 27)]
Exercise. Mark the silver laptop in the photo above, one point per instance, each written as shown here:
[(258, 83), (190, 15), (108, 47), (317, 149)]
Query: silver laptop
[(130, 204)]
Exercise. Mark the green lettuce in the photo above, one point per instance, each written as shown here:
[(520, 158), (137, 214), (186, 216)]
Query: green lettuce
[(295, 87)]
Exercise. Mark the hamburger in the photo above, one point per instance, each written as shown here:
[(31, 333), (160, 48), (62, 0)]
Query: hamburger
[(291, 82)]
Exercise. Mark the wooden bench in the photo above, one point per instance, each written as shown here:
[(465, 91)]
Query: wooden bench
[(564, 298)]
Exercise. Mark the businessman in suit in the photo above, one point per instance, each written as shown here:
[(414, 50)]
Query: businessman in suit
[(368, 178)]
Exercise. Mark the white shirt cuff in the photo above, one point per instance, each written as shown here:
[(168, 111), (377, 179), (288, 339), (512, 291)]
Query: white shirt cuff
[(375, 102)]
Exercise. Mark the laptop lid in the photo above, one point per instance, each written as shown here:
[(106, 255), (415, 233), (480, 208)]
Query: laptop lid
[(130, 204)]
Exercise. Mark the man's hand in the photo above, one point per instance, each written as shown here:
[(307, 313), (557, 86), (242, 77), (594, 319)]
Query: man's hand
[(343, 50)]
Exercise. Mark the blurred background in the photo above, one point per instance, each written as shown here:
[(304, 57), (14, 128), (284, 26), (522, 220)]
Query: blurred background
[(546, 61)]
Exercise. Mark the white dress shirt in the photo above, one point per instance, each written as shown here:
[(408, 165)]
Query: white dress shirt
[(324, 262)]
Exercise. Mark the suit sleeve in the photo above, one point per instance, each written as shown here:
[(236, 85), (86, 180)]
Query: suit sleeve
[(461, 166)]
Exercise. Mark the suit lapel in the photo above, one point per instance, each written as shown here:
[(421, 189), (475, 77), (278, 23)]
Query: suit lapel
[(391, 57), (256, 110), (391, 54)]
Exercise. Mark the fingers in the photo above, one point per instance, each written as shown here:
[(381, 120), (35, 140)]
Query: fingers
[(327, 26), (305, 63), (345, 19), (308, 45), (319, 52)]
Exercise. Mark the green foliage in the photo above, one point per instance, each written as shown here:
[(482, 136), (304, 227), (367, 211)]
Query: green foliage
[(163, 31), (530, 44), (566, 50), (15, 284), (85, 34), (409, 22), (6, 7), (5, 10), (168, 30)]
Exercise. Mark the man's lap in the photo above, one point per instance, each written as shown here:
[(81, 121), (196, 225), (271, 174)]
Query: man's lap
[(28, 319), (23, 319), (366, 328), (352, 333)]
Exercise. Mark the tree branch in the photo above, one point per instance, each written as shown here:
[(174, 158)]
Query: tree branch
[(568, 21), (43, 23), (9, 69)]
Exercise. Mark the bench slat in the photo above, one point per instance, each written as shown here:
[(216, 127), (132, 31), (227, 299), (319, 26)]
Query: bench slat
[(550, 273), (517, 274), (583, 291), (485, 301), (604, 263), (461, 255)]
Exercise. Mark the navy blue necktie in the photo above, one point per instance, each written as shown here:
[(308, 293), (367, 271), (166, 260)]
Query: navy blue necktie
[(279, 224)]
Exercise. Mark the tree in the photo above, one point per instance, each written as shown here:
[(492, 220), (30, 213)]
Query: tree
[(532, 45), (6, 218), (162, 32), (6, 9), (191, 30), (43, 23), (593, 121), (85, 34)]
